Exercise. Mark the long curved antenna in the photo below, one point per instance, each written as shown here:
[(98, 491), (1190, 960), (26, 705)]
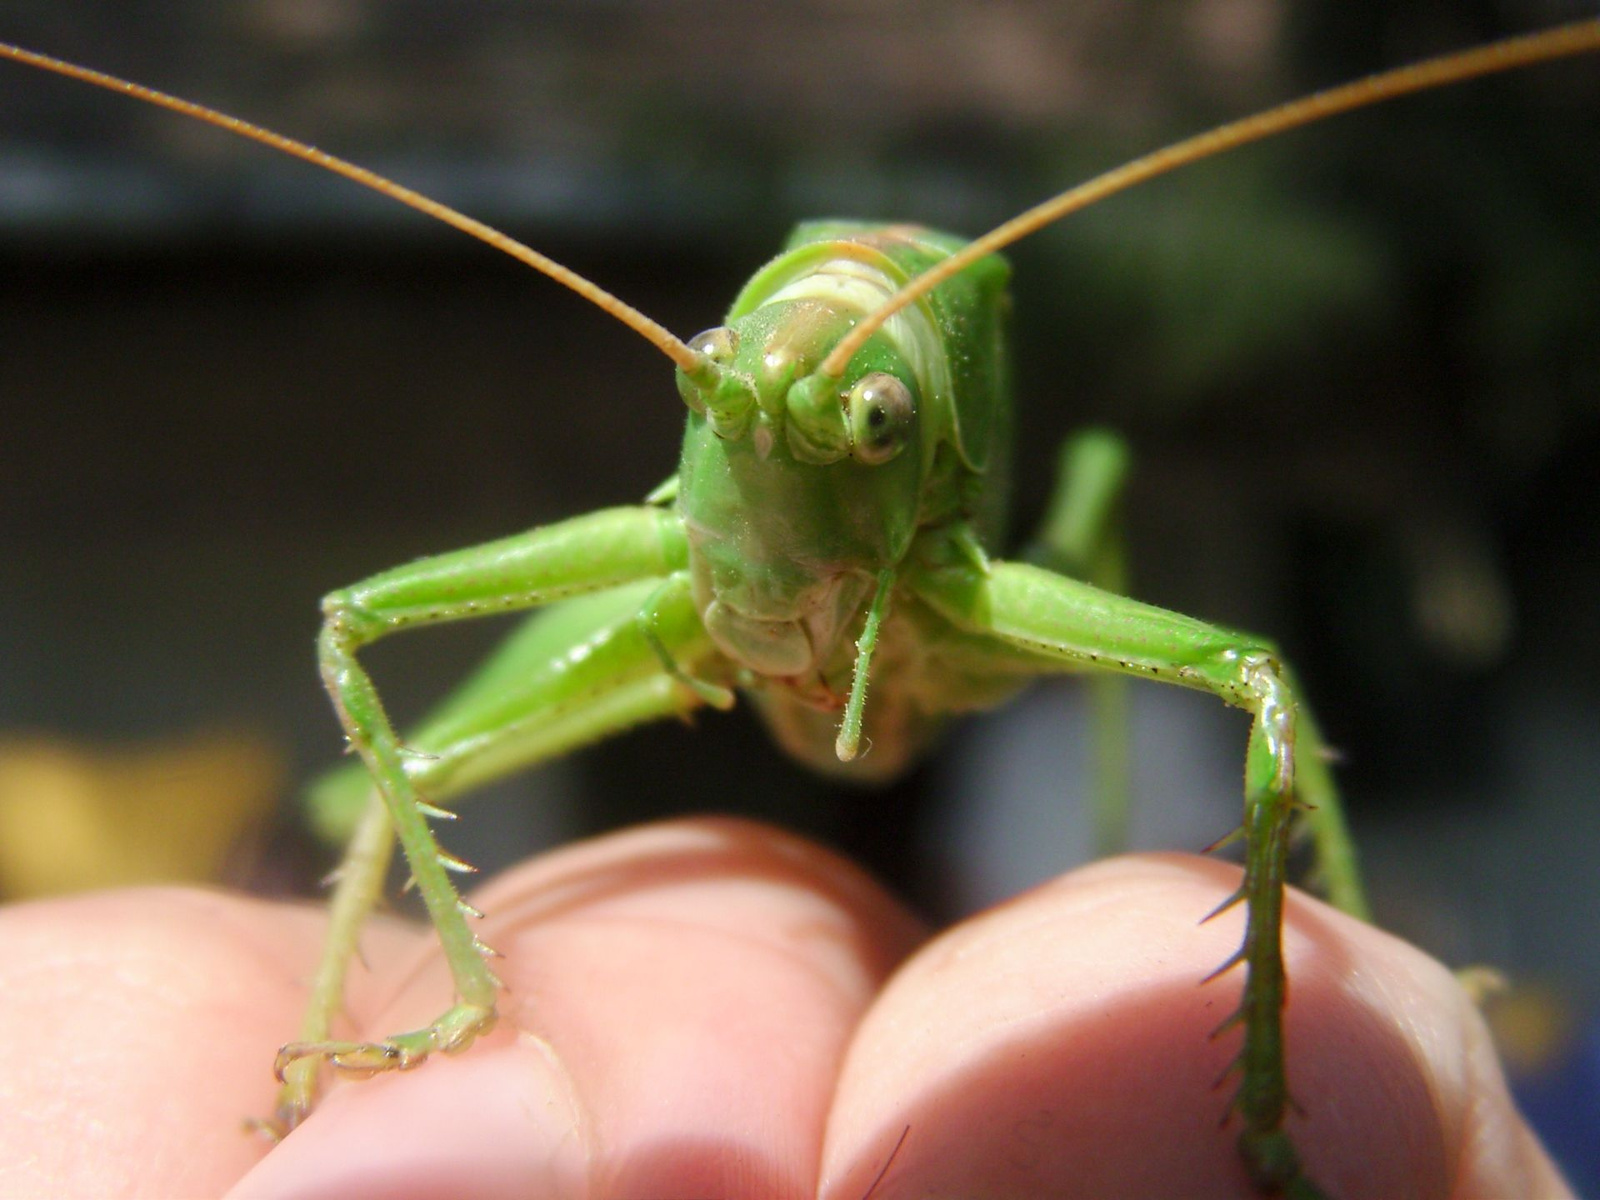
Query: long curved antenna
[(658, 336), (1564, 40)]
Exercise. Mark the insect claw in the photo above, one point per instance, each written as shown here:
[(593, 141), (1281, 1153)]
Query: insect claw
[(269, 1128)]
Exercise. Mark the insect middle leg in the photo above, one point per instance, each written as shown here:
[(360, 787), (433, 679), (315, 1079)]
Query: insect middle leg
[(496, 724)]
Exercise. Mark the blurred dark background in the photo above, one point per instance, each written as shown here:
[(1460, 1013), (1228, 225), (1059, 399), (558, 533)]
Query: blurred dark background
[(1359, 367)]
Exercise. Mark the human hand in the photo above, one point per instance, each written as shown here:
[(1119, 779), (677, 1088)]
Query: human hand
[(698, 1009)]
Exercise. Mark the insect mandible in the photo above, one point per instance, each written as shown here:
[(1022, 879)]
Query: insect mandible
[(801, 630)]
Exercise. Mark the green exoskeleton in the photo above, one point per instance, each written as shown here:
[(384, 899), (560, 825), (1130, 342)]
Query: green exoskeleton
[(827, 551)]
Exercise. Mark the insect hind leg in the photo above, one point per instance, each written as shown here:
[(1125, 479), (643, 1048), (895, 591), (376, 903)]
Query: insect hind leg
[(1081, 537), (1081, 533)]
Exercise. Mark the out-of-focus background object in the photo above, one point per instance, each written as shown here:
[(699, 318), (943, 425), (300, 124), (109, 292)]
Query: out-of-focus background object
[(74, 817), (1359, 369)]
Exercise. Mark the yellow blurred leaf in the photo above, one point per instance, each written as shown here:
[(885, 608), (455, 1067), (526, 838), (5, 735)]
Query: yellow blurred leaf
[(74, 817)]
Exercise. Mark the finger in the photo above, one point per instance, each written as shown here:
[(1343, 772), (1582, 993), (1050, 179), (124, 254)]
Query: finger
[(678, 1000), (141, 1027), (1060, 1046)]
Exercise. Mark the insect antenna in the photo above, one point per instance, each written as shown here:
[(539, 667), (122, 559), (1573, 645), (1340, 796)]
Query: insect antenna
[(658, 336), (1579, 37)]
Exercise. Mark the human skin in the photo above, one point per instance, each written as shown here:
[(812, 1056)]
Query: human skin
[(715, 1009)]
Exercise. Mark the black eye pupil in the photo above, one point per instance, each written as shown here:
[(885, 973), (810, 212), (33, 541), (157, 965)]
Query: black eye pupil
[(876, 417)]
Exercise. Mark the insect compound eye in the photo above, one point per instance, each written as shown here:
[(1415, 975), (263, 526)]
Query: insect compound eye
[(881, 414), (719, 344)]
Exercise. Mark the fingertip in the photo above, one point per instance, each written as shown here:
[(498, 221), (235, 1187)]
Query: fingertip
[(143, 1023), (1501, 1156), (1062, 1045), (504, 1116), (692, 986)]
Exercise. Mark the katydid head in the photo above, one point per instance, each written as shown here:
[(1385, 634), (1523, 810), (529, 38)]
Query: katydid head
[(760, 379), (796, 488)]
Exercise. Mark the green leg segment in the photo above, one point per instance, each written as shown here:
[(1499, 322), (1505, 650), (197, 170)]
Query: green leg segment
[(1338, 873), (1081, 536), (588, 670), (1071, 625), (358, 883)]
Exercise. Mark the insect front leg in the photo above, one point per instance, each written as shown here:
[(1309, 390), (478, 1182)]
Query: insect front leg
[(358, 883), (586, 554), (1081, 536), (571, 674), (1074, 626)]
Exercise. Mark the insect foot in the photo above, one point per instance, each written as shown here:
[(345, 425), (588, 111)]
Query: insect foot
[(451, 1033), (1275, 1166)]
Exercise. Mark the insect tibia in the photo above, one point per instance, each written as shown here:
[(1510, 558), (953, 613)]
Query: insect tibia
[(1275, 1167)]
